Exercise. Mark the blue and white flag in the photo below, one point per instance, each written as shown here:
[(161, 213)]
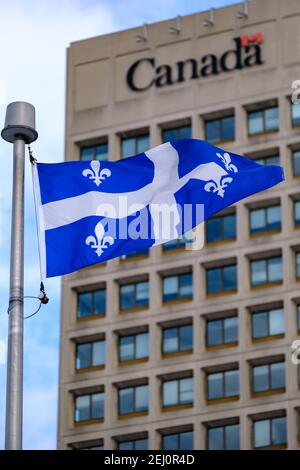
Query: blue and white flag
[(90, 211)]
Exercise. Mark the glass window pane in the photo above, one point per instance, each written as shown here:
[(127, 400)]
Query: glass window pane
[(214, 280), (258, 272), (186, 337), (101, 152), (185, 285), (170, 393), (142, 143), (260, 325), (257, 220), (184, 132), (215, 386), (82, 408), (279, 431), (170, 287), (278, 375), (216, 438), (228, 128), (232, 383), (212, 131), (262, 436), (127, 296), (230, 329), (296, 163), (232, 437), (141, 444), (83, 358), (142, 293), (170, 442), (141, 398), (128, 147), (85, 304), (98, 405), (126, 348), (255, 122), (126, 445), (186, 390), (170, 340), (214, 332), (229, 226), (98, 353), (87, 153), (295, 114), (275, 269), (229, 277), (99, 298), (214, 229), (142, 343), (186, 441), (298, 264), (260, 378), (271, 119), (297, 212), (126, 400), (276, 319), (273, 217)]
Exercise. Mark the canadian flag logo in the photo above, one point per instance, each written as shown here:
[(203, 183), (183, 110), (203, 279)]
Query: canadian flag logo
[(257, 38)]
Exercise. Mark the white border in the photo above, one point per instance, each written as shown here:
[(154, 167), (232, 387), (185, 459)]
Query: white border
[(39, 220)]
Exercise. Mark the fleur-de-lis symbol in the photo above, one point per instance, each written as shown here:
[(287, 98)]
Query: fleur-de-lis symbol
[(215, 187), (227, 162), (95, 174), (100, 241)]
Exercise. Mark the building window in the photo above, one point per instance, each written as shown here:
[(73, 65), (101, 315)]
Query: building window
[(268, 323), (90, 354), (91, 303), (267, 377), (226, 437), (264, 120), (223, 331), (133, 400), (177, 243), (298, 317), (223, 384), (270, 432), (177, 339), (264, 271), (297, 258), (221, 279), (133, 347), (265, 219), (133, 444), (177, 392), (295, 114), (176, 287), (89, 407), (131, 146), (94, 152), (96, 444), (134, 295), (144, 252), (268, 160), (178, 441), (296, 162), (221, 228), (219, 130), (182, 132), (297, 213)]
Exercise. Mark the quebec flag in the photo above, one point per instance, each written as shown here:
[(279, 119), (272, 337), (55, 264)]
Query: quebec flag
[(91, 211)]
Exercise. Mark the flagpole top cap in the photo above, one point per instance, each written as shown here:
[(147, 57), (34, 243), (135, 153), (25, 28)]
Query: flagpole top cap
[(20, 122)]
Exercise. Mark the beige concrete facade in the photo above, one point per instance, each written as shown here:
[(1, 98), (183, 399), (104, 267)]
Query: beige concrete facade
[(101, 107)]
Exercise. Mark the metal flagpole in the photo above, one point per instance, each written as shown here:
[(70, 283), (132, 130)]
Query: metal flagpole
[(19, 129)]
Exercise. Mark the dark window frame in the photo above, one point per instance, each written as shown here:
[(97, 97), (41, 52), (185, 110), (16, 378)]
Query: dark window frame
[(268, 312), (134, 388), (266, 228), (179, 402), (223, 331), (136, 143), (177, 130), (222, 238), (178, 438), (136, 305), (93, 313), (134, 336), (220, 121), (224, 395), (221, 268), (266, 260), (179, 279), (90, 343), (223, 427), (94, 151), (177, 328), (263, 111), (270, 420), (269, 375), (90, 418)]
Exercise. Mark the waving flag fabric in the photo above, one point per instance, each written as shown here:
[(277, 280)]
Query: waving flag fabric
[(90, 211)]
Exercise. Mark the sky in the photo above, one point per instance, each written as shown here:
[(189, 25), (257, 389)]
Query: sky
[(34, 36)]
